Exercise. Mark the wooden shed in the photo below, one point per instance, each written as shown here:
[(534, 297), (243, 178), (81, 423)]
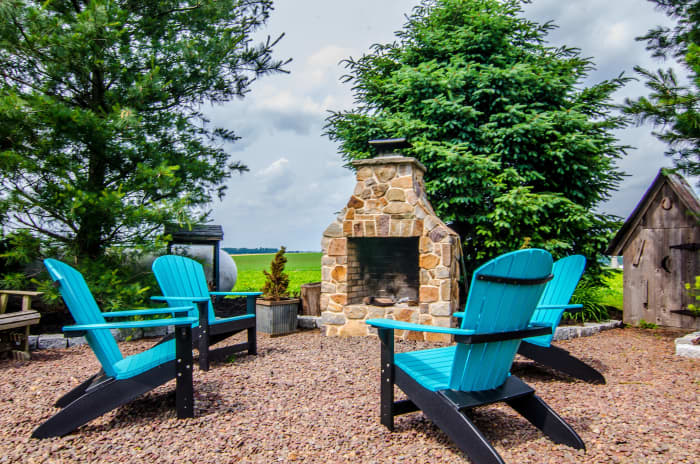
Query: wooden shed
[(660, 243)]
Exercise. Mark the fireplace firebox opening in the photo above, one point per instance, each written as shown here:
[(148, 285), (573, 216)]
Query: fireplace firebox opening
[(384, 268)]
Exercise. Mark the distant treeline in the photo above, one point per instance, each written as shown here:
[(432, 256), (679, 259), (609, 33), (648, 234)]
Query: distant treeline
[(250, 251)]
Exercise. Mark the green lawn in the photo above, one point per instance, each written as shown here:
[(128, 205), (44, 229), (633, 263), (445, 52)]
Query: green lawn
[(612, 296), (306, 267), (301, 267)]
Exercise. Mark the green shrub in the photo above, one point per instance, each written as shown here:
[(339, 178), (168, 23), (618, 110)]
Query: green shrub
[(647, 325), (588, 294), (694, 291), (276, 281)]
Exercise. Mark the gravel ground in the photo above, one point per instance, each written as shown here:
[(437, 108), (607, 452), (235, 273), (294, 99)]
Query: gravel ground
[(308, 398)]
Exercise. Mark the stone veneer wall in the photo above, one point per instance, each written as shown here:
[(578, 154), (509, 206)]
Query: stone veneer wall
[(389, 200)]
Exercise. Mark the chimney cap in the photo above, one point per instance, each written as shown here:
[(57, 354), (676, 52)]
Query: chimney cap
[(387, 146)]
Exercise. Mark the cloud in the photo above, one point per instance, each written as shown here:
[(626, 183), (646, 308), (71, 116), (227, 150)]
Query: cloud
[(297, 181), (275, 169)]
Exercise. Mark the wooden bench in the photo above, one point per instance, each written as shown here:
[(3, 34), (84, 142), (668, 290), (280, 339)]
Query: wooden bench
[(23, 318)]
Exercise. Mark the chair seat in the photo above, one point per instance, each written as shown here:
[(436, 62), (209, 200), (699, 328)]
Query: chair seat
[(542, 340), (139, 363), (430, 368), (222, 320)]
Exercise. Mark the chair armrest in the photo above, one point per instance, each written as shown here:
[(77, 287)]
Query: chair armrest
[(147, 312), (399, 325), (565, 306), (236, 293), (180, 298), (533, 330), (132, 324), (466, 336)]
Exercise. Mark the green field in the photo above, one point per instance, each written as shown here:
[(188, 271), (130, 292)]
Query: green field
[(612, 296), (306, 267), (301, 267)]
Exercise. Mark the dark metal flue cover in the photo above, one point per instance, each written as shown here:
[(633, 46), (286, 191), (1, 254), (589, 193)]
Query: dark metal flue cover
[(388, 146)]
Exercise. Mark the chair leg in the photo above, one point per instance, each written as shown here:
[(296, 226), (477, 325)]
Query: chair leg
[(78, 391), (561, 360), (252, 341), (463, 433), (386, 408), (104, 397), (447, 416), (532, 408), (184, 392), (203, 335)]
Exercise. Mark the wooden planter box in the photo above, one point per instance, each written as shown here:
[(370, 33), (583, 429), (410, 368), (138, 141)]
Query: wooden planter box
[(276, 317)]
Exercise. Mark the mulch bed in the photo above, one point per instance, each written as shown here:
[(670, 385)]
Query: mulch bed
[(308, 398)]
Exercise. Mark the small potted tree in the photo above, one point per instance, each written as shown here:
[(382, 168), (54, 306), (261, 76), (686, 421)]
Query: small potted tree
[(276, 311)]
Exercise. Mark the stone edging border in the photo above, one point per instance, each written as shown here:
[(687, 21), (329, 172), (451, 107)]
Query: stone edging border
[(51, 341)]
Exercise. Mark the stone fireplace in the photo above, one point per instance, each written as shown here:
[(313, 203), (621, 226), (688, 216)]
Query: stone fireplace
[(387, 255)]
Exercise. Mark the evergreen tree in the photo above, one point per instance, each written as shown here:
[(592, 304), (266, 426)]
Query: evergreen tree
[(674, 107), (518, 152), (276, 281), (101, 136)]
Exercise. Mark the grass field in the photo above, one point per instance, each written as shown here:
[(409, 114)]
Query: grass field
[(612, 296), (306, 267), (301, 267)]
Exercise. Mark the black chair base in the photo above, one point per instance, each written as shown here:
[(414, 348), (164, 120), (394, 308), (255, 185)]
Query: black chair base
[(446, 408), (561, 360), (100, 394)]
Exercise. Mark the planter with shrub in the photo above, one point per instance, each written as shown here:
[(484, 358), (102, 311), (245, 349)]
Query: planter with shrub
[(276, 310)]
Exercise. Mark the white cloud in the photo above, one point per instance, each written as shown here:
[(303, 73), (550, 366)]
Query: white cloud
[(291, 199), (275, 169)]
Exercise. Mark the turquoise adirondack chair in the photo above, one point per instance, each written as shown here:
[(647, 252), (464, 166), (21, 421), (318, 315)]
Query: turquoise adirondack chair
[(121, 379), (554, 302), (182, 279), (444, 382), (552, 305)]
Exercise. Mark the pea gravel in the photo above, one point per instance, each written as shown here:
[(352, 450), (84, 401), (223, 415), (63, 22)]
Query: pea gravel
[(308, 398)]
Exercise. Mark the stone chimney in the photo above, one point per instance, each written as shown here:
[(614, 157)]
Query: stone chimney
[(388, 255)]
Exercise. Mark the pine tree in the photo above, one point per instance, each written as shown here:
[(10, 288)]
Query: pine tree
[(673, 107), (101, 136), (516, 149)]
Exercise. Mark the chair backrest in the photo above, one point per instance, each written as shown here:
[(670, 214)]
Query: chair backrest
[(498, 307), (567, 272), (182, 277), (84, 309)]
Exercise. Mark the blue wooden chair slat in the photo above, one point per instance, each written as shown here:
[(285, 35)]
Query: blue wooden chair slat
[(567, 273), (554, 302), (121, 379), (84, 310), (493, 307), (444, 382), (182, 277)]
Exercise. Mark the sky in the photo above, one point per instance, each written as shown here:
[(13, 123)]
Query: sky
[(297, 183)]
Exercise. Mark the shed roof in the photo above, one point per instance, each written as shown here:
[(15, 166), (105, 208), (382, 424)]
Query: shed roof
[(199, 233), (679, 186)]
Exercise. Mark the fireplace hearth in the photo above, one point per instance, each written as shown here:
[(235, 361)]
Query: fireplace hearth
[(388, 255)]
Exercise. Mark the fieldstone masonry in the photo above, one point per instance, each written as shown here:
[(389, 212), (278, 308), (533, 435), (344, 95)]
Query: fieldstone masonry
[(389, 201)]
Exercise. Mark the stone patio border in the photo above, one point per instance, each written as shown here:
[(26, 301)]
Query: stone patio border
[(51, 341)]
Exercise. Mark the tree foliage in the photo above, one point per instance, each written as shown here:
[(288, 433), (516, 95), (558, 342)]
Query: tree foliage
[(101, 136), (276, 281), (673, 106), (517, 150)]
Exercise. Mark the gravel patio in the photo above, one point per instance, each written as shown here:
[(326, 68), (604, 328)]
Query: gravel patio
[(308, 398)]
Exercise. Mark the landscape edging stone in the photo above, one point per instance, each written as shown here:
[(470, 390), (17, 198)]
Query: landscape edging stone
[(49, 341)]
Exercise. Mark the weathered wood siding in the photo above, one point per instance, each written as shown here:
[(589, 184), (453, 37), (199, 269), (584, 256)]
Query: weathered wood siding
[(651, 291)]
